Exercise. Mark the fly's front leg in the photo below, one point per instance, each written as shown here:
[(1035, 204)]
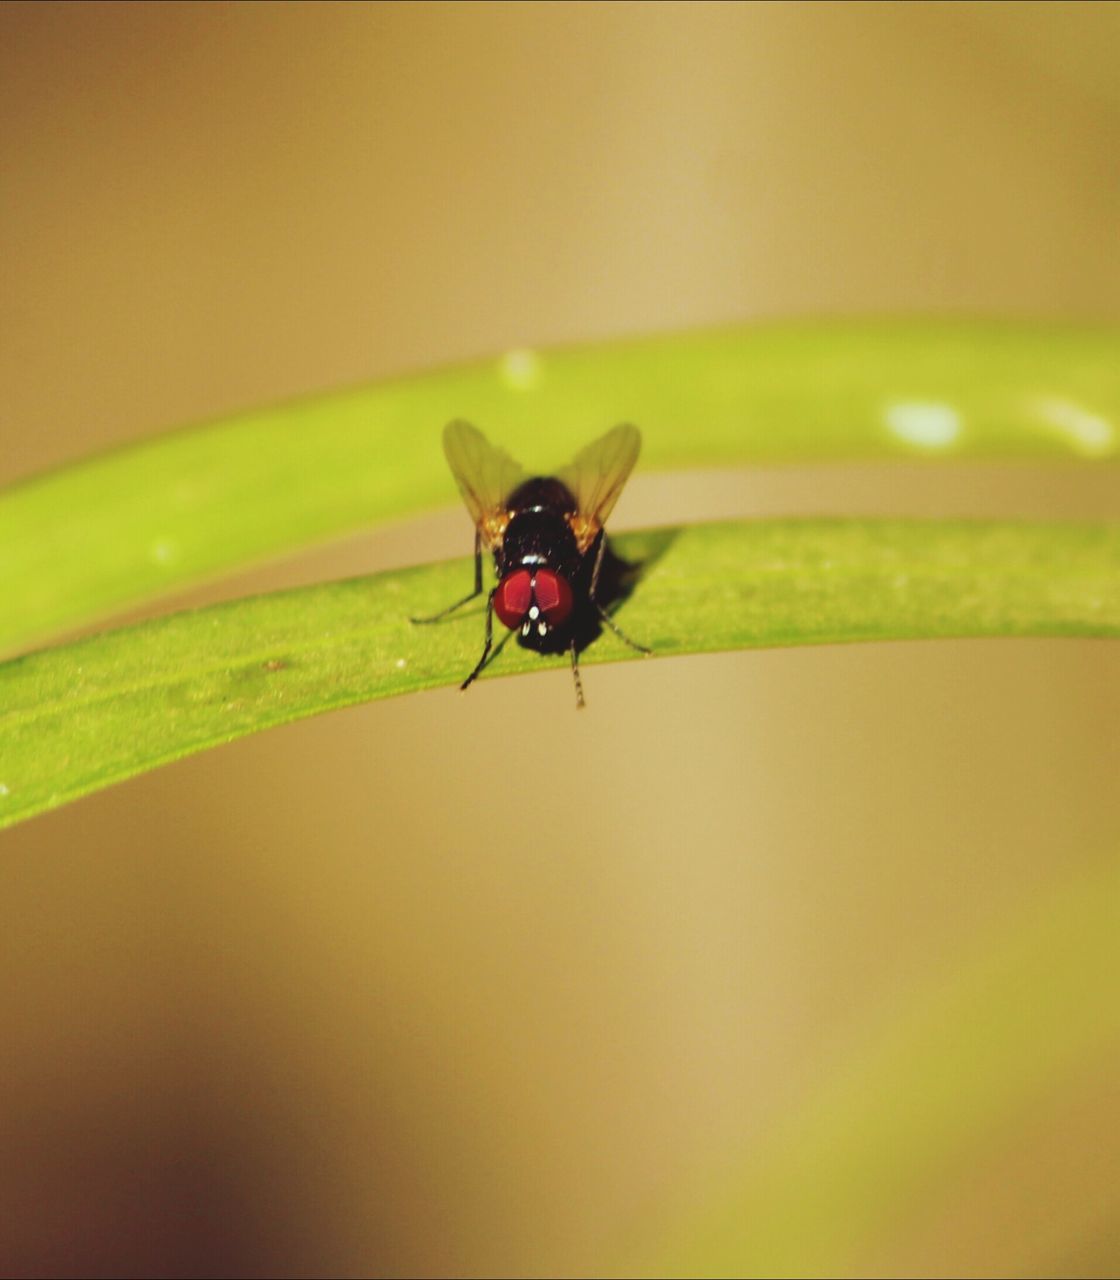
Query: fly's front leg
[(489, 642), (606, 617), (466, 599)]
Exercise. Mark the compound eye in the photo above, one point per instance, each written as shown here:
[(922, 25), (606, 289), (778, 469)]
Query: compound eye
[(513, 597), (554, 596)]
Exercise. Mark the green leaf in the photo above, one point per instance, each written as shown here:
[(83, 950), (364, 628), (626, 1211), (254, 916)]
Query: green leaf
[(141, 522), (78, 718)]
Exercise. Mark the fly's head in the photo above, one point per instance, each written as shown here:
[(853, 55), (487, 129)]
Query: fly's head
[(533, 602)]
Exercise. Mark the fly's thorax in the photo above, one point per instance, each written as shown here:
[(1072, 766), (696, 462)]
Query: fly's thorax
[(538, 536)]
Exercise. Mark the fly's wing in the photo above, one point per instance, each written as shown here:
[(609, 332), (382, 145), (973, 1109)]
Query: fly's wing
[(486, 477), (596, 476)]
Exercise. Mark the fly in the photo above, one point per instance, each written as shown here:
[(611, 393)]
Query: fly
[(546, 535)]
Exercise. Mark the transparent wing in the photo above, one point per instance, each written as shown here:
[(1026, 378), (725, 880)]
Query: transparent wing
[(596, 476), (486, 476)]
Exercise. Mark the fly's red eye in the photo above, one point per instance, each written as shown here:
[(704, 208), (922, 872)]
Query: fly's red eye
[(554, 596), (512, 598)]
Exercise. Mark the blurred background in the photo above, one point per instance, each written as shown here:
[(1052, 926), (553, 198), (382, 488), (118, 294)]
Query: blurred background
[(474, 984)]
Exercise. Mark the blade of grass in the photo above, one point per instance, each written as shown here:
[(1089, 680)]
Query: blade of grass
[(140, 522), (920, 1092), (78, 718)]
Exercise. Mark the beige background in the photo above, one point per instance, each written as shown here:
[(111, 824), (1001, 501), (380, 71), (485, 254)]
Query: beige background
[(476, 984)]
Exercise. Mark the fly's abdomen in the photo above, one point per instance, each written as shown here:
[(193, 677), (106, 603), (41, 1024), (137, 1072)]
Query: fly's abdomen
[(542, 493)]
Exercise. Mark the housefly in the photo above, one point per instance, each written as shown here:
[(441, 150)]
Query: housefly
[(546, 536)]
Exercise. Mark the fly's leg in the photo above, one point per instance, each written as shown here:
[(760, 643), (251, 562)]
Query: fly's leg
[(466, 599), (575, 676), (606, 617), (487, 656)]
